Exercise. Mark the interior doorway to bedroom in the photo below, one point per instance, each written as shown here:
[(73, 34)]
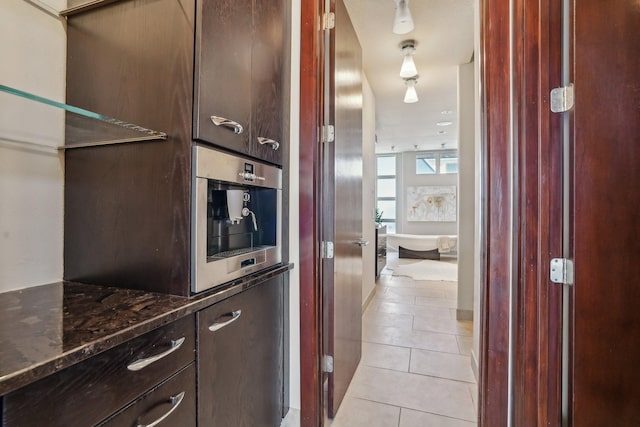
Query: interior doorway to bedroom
[(417, 324)]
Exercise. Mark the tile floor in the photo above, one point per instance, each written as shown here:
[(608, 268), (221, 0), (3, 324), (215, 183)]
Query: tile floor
[(415, 369)]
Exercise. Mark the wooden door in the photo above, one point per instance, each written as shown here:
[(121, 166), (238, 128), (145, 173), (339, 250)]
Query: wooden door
[(342, 209), (605, 219)]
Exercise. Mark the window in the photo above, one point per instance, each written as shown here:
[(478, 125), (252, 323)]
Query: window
[(426, 164), (449, 163), (386, 190), (437, 162)]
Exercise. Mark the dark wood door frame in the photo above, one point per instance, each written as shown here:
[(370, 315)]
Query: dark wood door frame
[(520, 161), (311, 107)]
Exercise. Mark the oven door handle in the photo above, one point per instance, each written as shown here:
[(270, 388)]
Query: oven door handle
[(228, 319)]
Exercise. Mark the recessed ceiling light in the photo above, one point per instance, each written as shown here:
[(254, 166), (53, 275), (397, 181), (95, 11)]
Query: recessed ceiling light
[(446, 112), (444, 123)]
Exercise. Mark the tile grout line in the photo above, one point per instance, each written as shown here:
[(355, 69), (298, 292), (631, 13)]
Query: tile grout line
[(438, 415)]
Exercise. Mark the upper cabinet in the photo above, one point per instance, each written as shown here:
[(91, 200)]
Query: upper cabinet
[(239, 80)]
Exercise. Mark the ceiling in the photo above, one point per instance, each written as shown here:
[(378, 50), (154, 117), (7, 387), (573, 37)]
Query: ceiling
[(444, 39)]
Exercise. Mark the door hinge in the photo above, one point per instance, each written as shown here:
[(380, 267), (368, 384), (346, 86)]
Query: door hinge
[(327, 363), (562, 99), (328, 133), (327, 250), (329, 21), (561, 271)]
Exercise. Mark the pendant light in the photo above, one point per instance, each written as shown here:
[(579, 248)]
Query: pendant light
[(410, 95), (402, 23), (408, 68)]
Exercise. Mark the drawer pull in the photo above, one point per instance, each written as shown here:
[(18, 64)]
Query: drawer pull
[(175, 402), (234, 126), (141, 363), (274, 144), (219, 323)]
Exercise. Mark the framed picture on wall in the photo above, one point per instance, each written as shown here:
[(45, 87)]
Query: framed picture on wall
[(432, 203)]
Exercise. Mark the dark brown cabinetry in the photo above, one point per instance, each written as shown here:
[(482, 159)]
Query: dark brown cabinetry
[(87, 393), (128, 206), (240, 359), (239, 79)]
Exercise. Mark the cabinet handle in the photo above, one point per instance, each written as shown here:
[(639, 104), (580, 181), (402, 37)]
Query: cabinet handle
[(175, 402), (362, 243), (274, 144), (221, 121), (141, 363), (219, 324)]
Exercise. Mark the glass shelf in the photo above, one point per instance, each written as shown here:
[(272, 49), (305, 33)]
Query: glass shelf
[(31, 119)]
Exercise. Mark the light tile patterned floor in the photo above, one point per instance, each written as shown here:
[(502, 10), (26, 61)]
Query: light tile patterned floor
[(415, 369)]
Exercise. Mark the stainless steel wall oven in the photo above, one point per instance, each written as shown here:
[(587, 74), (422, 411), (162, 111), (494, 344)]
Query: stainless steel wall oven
[(237, 212)]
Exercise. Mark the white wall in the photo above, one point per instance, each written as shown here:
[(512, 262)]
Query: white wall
[(33, 52), (407, 177), (368, 190), (466, 190), (294, 214)]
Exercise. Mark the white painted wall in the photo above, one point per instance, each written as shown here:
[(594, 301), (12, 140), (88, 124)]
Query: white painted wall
[(407, 177), (294, 214), (466, 189), (368, 190), (33, 52)]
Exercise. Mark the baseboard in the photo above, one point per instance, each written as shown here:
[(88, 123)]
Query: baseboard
[(368, 299), (464, 314), (474, 365)]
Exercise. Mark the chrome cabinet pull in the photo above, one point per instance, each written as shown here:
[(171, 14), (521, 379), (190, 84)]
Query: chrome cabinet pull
[(221, 121), (274, 144), (219, 324), (141, 363), (175, 402), (362, 243)]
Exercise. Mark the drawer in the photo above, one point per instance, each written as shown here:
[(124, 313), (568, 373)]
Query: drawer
[(171, 404), (88, 392)]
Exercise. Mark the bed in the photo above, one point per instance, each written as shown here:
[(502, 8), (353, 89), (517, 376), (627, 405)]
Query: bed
[(421, 246)]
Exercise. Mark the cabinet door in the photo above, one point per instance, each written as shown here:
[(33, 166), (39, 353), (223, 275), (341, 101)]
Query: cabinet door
[(267, 79), (223, 73), (240, 359)]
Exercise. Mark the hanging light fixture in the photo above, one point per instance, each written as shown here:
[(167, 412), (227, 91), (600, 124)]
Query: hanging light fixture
[(402, 23), (408, 68), (411, 95)]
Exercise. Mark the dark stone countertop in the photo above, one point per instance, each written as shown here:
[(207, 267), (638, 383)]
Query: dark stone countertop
[(47, 328)]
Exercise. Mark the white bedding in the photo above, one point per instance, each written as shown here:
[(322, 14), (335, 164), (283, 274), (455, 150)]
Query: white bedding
[(420, 242)]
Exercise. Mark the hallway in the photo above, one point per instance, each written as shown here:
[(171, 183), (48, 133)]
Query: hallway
[(415, 369)]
